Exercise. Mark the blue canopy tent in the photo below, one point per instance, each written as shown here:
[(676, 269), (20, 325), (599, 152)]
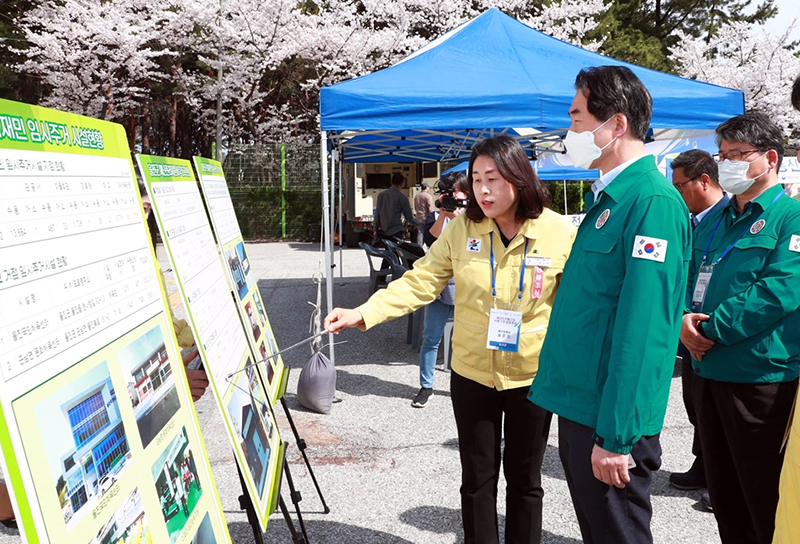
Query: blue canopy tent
[(547, 169), (490, 75), (558, 167)]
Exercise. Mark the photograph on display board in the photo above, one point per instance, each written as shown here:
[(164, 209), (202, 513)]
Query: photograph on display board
[(251, 316), (268, 366), (151, 385), (204, 534), (84, 440), (248, 273), (127, 525), (258, 392), (177, 484), (240, 270), (253, 429), (257, 299)]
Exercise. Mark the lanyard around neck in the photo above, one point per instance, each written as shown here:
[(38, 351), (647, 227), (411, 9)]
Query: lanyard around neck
[(521, 276), (730, 247)]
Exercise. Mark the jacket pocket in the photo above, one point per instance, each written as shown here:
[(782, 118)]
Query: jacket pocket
[(469, 339), (599, 243), (603, 268), (748, 257), (526, 360)]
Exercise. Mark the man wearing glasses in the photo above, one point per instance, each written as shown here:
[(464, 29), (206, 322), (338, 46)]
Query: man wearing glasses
[(695, 175), (743, 328)]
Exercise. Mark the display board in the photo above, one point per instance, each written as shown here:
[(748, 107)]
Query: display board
[(100, 440), (220, 334), (240, 274)]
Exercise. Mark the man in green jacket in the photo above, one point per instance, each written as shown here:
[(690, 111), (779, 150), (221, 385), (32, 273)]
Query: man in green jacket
[(743, 330), (607, 360)]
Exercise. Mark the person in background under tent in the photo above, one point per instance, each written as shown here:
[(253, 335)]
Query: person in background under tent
[(392, 206), (438, 312)]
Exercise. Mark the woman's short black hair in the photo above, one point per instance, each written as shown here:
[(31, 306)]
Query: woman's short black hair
[(514, 166)]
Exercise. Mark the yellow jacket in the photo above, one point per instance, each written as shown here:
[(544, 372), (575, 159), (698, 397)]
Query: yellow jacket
[(462, 252), (788, 514)]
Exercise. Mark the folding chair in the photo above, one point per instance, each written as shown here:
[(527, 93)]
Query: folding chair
[(388, 260), (406, 257)]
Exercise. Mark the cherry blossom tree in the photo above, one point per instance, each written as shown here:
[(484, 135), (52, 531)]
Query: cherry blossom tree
[(161, 66), (748, 58)]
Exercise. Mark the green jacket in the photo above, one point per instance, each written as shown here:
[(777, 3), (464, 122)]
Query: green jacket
[(609, 354), (754, 293)]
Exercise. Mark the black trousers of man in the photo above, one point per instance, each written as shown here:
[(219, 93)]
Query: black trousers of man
[(687, 373), (741, 428), (484, 415), (607, 514)]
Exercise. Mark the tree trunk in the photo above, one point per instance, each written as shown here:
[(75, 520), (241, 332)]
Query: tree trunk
[(173, 125), (131, 130), (146, 128)]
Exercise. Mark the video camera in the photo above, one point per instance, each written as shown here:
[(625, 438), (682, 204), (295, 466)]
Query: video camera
[(447, 187)]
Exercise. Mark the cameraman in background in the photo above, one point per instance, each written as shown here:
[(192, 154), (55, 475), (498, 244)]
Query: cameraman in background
[(452, 191)]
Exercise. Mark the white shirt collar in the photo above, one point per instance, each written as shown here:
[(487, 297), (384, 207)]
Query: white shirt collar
[(606, 179)]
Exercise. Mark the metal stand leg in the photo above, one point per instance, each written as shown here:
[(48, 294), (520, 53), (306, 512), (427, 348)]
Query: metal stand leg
[(252, 518), (296, 498), (301, 445), (296, 538)]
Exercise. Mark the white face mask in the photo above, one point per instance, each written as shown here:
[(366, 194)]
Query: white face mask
[(581, 147), (733, 176)]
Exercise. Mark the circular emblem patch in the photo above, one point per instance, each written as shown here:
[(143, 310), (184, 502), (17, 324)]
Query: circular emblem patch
[(757, 226), (602, 219)]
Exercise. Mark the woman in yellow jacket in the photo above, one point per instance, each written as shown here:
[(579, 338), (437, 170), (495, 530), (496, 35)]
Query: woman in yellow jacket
[(506, 253)]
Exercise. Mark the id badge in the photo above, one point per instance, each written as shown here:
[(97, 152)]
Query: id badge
[(700, 288), (504, 326)]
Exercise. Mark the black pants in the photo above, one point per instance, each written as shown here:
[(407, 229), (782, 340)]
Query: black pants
[(741, 427), (687, 373), (605, 513), (479, 412)]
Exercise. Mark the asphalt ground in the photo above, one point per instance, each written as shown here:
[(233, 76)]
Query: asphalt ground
[(389, 472)]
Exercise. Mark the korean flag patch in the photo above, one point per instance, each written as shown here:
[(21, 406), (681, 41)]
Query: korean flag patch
[(652, 249), (794, 243), (474, 244)]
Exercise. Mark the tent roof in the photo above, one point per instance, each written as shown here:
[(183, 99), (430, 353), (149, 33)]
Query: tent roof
[(484, 77)]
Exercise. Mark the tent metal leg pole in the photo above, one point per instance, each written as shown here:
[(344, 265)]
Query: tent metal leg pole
[(341, 218), (565, 198), (332, 217), (326, 210)]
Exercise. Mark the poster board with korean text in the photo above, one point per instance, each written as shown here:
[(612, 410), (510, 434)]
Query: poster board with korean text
[(226, 354), (240, 274), (99, 436)]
